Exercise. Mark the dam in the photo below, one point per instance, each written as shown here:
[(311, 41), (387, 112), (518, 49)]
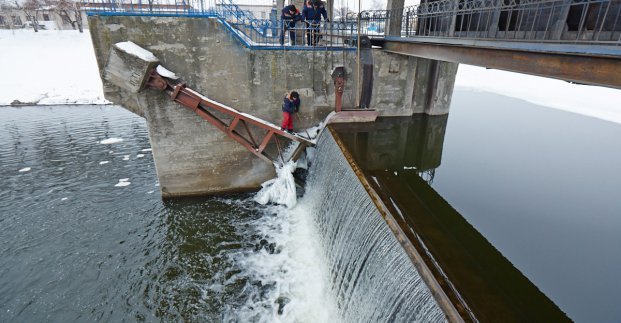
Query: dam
[(394, 270)]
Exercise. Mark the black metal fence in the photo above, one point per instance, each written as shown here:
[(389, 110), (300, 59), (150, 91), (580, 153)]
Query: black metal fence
[(575, 21)]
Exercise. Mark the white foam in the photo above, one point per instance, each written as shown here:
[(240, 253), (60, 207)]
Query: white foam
[(111, 141), (121, 184), (25, 169), (296, 269), (123, 179), (139, 155), (147, 149), (280, 190), (64, 199), (125, 157), (103, 162)]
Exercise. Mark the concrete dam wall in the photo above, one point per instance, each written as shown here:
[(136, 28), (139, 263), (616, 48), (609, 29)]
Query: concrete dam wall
[(191, 156)]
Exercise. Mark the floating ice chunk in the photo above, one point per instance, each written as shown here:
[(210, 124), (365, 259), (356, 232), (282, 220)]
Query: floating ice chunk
[(25, 169), (161, 70), (132, 48), (111, 141), (123, 182), (139, 155), (103, 162)]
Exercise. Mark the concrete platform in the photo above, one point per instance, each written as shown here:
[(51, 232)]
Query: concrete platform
[(358, 115)]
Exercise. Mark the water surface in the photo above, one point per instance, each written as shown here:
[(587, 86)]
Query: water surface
[(78, 245)]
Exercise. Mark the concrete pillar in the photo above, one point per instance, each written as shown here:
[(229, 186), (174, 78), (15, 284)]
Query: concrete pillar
[(395, 8), (433, 86)]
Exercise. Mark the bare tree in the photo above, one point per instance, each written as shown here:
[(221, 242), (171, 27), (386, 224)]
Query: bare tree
[(69, 12), (31, 9)]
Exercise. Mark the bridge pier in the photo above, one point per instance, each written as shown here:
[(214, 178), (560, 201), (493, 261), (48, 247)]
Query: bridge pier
[(433, 88)]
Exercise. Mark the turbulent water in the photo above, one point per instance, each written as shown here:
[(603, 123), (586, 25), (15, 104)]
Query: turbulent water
[(84, 235)]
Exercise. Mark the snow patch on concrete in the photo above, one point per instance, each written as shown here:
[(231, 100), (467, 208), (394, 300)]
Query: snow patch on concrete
[(133, 49)]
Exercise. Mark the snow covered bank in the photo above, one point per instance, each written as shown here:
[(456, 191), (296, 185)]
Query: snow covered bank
[(593, 101), (48, 67)]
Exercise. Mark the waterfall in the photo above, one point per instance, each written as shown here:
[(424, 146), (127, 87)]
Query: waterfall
[(372, 279)]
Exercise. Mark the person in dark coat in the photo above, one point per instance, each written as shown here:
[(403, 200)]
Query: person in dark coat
[(312, 14), (289, 16), (290, 105)]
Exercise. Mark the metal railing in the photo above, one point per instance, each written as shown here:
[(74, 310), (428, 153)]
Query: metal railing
[(254, 32), (562, 21)]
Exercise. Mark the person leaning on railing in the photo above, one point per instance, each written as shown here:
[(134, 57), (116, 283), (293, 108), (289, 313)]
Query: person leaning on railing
[(289, 16), (312, 13)]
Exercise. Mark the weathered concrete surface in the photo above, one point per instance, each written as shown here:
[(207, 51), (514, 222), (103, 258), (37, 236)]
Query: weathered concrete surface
[(191, 156), (434, 87)]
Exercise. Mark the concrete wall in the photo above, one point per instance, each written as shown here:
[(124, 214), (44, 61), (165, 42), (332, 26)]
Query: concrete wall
[(191, 156)]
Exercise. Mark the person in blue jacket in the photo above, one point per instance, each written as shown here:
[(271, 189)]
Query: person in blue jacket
[(289, 16), (290, 105), (312, 14)]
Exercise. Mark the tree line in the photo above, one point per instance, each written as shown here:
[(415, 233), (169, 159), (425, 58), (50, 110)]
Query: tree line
[(69, 11)]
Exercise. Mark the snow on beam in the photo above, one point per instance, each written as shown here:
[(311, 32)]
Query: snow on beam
[(129, 65)]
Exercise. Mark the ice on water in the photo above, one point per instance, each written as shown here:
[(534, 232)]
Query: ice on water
[(111, 141)]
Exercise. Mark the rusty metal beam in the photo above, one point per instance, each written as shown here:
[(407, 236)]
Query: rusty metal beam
[(593, 70), (206, 107)]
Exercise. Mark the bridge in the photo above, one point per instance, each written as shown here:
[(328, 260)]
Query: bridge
[(575, 41)]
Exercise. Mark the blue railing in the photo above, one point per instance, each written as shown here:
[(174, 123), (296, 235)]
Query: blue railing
[(254, 33)]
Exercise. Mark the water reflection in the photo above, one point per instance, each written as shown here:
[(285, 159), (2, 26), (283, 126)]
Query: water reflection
[(396, 143), (401, 155)]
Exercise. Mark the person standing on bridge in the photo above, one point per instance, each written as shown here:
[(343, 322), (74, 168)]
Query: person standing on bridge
[(290, 105), (312, 14), (289, 15)]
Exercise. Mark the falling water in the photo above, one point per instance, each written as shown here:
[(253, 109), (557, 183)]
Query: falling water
[(371, 276)]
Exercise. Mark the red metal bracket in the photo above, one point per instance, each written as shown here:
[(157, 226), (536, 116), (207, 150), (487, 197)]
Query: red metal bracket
[(213, 111)]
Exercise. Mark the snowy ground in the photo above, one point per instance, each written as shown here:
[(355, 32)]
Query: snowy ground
[(58, 67), (48, 67), (594, 101)]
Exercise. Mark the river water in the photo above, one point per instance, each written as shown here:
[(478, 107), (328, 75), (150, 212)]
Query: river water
[(84, 235)]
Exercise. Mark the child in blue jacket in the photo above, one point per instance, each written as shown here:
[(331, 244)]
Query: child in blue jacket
[(291, 105)]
